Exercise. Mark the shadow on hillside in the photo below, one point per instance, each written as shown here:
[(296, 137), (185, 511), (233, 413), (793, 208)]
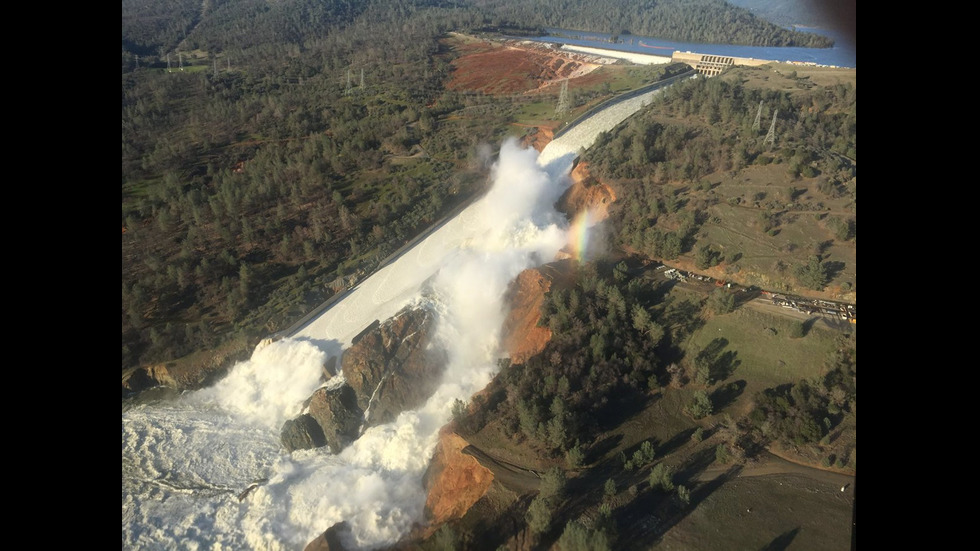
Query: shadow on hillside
[(720, 363), (659, 291), (675, 443), (671, 510), (601, 447), (696, 465), (808, 324), (629, 405), (723, 366), (494, 531), (833, 268), (727, 394), (782, 541)]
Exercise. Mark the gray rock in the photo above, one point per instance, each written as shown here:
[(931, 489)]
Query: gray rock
[(392, 368), (338, 415), (302, 433)]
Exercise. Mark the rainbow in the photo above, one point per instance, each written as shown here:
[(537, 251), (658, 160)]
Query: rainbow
[(579, 235)]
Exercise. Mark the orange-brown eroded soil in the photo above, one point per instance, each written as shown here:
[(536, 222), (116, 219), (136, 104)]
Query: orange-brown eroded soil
[(455, 480), (586, 192), (510, 68)]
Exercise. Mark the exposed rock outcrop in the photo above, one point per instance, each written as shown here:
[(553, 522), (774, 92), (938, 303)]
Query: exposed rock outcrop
[(302, 433), (393, 368), (193, 372), (389, 368), (330, 539), (338, 416)]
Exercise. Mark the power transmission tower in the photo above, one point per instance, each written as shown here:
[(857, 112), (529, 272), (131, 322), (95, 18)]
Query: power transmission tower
[(362, 79), (137, 62), (758, 118), (180, 57), (168, 63), (348, 90), (771, 136), (562, 107), (215, 66)]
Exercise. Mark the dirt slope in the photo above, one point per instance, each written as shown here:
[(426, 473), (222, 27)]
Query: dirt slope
[(503, 68)]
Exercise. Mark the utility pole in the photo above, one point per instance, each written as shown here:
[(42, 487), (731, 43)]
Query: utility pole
[(562, 106), (771, 136)]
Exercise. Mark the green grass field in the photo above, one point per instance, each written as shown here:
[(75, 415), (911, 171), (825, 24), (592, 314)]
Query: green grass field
[(766, 358)]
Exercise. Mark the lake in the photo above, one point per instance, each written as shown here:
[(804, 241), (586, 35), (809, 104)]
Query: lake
[(843, 54)]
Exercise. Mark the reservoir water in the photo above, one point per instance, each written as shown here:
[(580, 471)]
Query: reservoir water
[(842, 54)]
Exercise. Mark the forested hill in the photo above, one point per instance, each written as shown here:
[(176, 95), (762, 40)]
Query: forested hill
[(713, 21), (153, 28), (297, 143)]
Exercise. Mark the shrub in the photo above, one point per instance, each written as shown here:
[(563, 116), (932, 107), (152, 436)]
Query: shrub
[(553, 484), (814, 274), (722, 455), (577, 537), (700, 405), (459, 410), (575, 457), (721, 301), (539, 515), (684, 494), (698, 434), (662, 476), (610, 488)]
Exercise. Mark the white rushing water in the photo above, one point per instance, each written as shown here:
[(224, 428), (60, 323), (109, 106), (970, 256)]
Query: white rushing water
[(185, 460)]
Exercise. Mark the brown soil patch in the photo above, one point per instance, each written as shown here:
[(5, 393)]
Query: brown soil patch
[(586, 192), (540, 137), (522, 336), (506, 68), (455, 480)]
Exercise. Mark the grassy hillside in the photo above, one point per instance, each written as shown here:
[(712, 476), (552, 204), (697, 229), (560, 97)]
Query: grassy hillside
[(749, 177)]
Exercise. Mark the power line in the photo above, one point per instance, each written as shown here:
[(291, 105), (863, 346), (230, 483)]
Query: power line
[(771, 136), (562, 106)]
